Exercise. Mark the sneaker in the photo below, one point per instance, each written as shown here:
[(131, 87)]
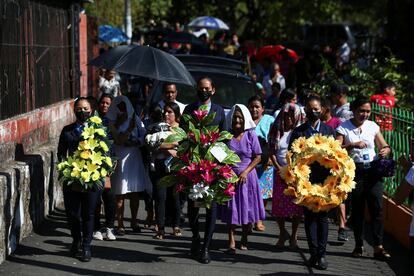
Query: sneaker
[(342, 235), (109, 234), (97, 235)]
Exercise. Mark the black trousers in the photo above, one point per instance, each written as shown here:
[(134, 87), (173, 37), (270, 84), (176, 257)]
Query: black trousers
[(80, 211), (165, 198), (108, 199), (316, 227), (369, 190), (193, 219)]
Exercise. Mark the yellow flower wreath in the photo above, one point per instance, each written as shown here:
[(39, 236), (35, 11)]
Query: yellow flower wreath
[(329, 154)]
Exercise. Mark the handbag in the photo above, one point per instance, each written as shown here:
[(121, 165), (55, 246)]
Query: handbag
[(384, 167)]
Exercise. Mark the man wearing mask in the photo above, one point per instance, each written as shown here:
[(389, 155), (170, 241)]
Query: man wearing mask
[(205, 90), (316, 224)]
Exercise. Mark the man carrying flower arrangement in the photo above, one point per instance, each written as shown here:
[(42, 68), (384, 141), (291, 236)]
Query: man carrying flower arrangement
[(203, 121), (316, 223), (83, 151)]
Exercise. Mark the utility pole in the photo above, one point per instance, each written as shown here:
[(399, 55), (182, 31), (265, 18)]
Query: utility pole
[(128, 20)]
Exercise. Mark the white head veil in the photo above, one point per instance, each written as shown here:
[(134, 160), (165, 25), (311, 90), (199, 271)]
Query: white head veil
[(248, 121)]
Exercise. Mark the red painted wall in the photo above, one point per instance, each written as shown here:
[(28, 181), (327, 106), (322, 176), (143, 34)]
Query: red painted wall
[(83, 54), (34, 128)]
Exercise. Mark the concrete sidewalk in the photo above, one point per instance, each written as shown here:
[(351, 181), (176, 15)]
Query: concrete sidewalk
[(46, 252)]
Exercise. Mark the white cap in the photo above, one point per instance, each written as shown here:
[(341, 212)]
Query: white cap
[(201, 32)]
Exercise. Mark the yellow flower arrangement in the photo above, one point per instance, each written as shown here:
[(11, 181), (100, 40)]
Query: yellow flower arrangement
[(91, 162), (328, 153)]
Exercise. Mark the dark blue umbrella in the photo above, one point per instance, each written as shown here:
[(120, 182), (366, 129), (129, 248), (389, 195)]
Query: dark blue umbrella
[(183, 37), (110, 34)]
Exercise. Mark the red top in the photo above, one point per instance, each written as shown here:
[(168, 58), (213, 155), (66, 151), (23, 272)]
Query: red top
[(384, 120), (334, 122)]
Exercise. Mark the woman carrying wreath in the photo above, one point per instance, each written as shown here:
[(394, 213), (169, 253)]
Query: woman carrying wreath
[(264, 169), (246, 207), (359, 136), (130, 176), (316, 224), (290, 116), (79, 204)]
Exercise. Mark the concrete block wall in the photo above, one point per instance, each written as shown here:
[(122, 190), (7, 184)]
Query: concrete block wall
[(29, 188)]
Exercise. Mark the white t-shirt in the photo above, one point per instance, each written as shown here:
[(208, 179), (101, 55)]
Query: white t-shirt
[(366, 133), (283, 148), (410, 180)]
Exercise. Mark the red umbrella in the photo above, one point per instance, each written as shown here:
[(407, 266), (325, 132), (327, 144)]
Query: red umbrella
[(274, 53)]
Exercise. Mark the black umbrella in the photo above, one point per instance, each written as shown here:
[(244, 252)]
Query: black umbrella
[(108, 58), (183, 37), (148, 62)]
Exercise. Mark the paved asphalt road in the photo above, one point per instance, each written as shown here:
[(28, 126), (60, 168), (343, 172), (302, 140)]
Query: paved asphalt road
[(46, 253)]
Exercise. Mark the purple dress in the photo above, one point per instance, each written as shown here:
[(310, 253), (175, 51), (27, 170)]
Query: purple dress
[(247, 204)]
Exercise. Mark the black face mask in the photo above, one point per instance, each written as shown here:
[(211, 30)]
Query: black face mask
[(313, 116), (82, 116), (204, 95)]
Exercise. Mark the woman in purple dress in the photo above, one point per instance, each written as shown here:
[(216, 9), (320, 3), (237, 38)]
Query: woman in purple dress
[(246, 207)]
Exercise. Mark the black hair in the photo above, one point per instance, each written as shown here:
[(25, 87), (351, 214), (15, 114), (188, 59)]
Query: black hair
[(105, 95), (286, 95), (325, 102), (387, 84), (313, 97), (206, 78), (256, 98), (167, 84), (339, 89), (79, 99), (276, 86), (155, 112), (359, 101), (175, 107)]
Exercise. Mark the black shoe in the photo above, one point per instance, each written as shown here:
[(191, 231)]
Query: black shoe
[(205, 257), (86, 255), (322, 264), (75, 249), (195, 247), (312, 261), (342, 235)]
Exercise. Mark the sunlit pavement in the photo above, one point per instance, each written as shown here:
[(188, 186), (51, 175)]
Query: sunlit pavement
[(46, 252)]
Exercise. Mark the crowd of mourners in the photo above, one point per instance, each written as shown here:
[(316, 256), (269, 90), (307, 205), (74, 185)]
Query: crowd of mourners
[(263, 131)]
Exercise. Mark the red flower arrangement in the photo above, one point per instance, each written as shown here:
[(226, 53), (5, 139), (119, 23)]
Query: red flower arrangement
[(202, 166)]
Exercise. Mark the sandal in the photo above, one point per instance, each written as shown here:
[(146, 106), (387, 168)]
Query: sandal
[(243, 244), (160, 235), (358, 252), (177, 232), (260, 227), (149, 220), (136, 229), (231, 251), (120, 231), (382, 255), (293, 244)]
